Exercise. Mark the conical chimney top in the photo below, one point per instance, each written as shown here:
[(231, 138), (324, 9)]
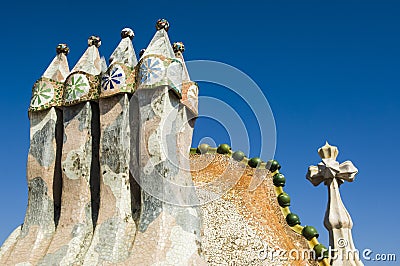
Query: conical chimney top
[(160, 44), (58, 70), (125, 53), (90, 61), (48, 90)]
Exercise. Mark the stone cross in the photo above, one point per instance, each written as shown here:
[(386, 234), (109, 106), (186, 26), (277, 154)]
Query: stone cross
[(337, 219)]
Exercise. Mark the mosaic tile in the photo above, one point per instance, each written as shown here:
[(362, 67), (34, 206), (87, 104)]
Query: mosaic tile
[(119, 78), (46, 93), (80, 87), (158, 70)]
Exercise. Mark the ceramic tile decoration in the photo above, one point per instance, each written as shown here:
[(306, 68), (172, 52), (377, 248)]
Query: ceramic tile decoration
[(47, 91), (158, 65), (81, 87), (114, 78), (41, 173), (113, 181), (120, 76), (83, 84)]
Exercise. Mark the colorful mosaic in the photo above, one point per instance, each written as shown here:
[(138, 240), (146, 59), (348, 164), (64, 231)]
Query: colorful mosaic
[(76, 87), (43, 93), (119, 78), (115, 77), (157, 70), (80, 87), (151, 71), (46, 93)]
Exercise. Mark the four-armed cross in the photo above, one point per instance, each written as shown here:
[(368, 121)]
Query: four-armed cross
[(337, 219)]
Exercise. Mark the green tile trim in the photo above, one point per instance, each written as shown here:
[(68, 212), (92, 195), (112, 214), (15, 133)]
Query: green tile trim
[(292, 219)]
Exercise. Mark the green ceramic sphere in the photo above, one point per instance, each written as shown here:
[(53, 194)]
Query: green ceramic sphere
[(309, 232), (284, 200), (320, 252), (238, 156), (223, 149), (254, 162), (273, 165), (279, 180), (203, 148), (292, 219)]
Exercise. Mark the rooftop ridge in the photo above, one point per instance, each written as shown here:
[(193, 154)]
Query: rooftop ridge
[(279, 181)]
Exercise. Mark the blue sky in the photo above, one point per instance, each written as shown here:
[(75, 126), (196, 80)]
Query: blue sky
[(329, 69)]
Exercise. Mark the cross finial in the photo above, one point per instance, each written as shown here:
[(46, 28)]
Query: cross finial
[(329, 168), (337, 219)]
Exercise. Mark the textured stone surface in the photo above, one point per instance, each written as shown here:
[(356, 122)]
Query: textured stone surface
[(75, 227), (124, 53), (89, 62), (115, 229), (42, 175), (237, 226), (190, 89), (101, 153), (58, 68), (168, 234), (8, 245)]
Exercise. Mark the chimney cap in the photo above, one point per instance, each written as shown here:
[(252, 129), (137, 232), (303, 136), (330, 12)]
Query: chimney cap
[(62, 48), (178, 47), (94, 40), (127, 32), (162, 23)]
